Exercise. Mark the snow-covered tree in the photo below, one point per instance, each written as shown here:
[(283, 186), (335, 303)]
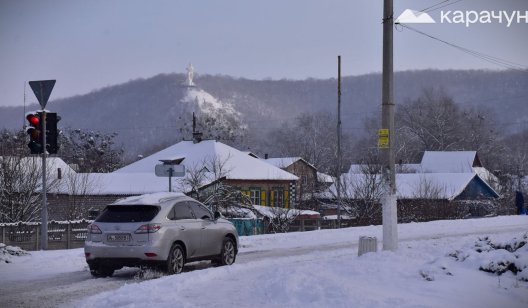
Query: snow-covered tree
[(91, 151), (281, 219), (21, 186)]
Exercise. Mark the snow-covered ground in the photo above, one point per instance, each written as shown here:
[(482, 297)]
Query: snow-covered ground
[(437, 265)]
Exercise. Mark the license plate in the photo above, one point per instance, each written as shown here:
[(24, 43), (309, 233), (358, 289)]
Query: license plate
[(118, 237)]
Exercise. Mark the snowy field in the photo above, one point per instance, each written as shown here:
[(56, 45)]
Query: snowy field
[(437, 265)]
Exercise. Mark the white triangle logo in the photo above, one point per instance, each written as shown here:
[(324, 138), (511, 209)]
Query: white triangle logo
[(414, 17)]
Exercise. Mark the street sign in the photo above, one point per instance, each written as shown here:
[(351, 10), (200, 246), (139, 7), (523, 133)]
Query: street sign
[(383, 138), (163, 170), (42, 90)]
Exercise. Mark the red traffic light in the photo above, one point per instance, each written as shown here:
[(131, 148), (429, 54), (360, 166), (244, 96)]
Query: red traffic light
[(33, 119), (34, 131)]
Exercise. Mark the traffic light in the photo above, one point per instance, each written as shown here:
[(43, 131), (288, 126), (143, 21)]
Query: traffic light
[(52, 133), (34, 131)]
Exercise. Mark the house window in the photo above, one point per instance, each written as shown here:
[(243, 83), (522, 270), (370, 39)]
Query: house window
[(277, 197), (254, 195)]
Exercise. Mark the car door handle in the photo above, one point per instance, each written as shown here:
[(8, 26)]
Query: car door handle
[(203, 227), (182, 228)]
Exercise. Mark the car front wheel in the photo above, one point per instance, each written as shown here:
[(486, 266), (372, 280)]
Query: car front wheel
[(176, 260), (228, 254)]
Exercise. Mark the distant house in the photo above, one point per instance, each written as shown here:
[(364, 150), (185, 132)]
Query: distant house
[(206, 163), (438, 165), (266, 185), (444, 185), (307, 184)]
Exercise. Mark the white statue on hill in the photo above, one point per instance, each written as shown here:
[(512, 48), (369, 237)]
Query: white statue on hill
[(190, 75)]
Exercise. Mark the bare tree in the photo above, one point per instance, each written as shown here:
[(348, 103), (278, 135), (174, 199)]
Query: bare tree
[(20, 179), (281, 219), (79, 187), (312, 137), (20, 187), (362, 191), (431, 122), (428, 189)]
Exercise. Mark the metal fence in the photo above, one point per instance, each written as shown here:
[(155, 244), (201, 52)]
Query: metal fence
[(248, 226), (72, 234), (61, 235)]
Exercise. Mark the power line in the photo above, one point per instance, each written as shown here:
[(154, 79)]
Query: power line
[(491, 59), (434, 8)]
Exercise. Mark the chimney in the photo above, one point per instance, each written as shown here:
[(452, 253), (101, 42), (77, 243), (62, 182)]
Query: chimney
[(59, 173), (197, 137), (266, 156)]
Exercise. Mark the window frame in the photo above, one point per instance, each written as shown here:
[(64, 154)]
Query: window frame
[(254, 195), (278, 194)]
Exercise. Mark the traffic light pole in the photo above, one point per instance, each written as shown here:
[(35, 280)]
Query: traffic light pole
[(42, 90), (44, 210)]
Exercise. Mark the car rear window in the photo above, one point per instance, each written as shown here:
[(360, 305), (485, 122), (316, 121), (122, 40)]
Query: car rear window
[(128, 213)]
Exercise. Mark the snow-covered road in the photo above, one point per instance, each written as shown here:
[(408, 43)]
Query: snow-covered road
[(61, 278)]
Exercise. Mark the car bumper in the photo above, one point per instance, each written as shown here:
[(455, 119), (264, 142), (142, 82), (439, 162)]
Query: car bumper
[(147, 252)]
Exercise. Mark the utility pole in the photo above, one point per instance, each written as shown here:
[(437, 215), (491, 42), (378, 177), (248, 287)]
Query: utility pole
[(338, 171), (389, 203)]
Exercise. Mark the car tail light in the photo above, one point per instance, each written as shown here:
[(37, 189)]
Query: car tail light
[(87, 254), (148, 228), (94, 229), (150, 254)]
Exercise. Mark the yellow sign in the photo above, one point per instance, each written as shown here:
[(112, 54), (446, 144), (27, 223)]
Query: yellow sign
[(383, 142), (383, 138), (384, 132)]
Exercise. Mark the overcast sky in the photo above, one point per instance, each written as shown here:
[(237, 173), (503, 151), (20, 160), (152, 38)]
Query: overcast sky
[(87, 45)]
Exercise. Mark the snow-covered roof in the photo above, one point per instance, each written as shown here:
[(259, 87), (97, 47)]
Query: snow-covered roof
[(410, 185), (432, 185), (235, 164), (356, 168), (438, 162), (284, 162), (449, 161), (118, 184), (53, 164), (324, 178)]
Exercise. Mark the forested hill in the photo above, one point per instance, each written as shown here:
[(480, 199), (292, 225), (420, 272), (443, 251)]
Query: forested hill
[(148, 113)]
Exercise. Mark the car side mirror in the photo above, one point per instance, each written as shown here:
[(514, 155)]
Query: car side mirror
[(217, 215)]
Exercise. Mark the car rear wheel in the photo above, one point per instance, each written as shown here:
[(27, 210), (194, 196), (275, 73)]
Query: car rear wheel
[(100, 271), (228, 254), (176, 260)]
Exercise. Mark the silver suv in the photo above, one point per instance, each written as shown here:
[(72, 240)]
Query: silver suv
[(162, 230)]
